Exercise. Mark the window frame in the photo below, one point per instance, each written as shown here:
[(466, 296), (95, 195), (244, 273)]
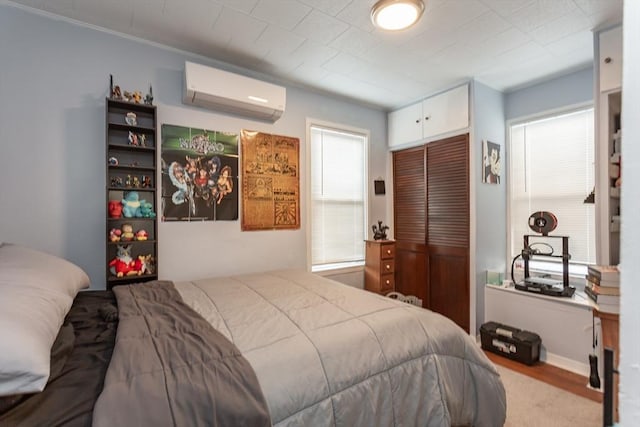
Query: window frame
[(345, 266), (576, 270)]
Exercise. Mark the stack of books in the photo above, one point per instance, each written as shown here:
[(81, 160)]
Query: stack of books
[(603, 287)]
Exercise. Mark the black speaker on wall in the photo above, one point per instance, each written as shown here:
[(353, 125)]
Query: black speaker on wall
[(378, 186)]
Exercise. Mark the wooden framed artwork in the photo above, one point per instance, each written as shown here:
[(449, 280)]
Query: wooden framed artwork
[(270, 181)]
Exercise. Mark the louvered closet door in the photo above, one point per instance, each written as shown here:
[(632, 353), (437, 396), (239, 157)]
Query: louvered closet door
[(409, 214), (448, 228)]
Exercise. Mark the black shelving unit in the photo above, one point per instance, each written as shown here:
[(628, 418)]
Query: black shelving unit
[(131, 165)]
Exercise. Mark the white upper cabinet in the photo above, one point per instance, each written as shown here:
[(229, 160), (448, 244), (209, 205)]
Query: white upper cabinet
[(446, 112), (610, 57), (405, 124), (441, 114)]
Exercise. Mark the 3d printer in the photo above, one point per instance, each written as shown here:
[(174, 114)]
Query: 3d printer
[(544, 222)]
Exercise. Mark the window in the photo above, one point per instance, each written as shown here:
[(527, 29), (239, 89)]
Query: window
[(551, 169), (338, 196)]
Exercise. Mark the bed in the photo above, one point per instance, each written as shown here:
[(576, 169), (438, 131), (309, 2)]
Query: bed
[(282, 348)]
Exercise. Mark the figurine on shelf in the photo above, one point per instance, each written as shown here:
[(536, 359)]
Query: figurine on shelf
[(115, 209), (131, 205), (146, 210), (117, 93), (136, 97), (116, 181), (126, 96), (131, 119), (146, 181), (142, 139), (127, 233), (147, 264), (122, 264), (149, 98), (114, 235), (127, 181), (141, 235), (133, 139), (380, 231), (136, 182), (113, 161)]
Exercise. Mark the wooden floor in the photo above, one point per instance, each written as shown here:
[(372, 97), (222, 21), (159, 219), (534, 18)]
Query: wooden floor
[(569, 381)]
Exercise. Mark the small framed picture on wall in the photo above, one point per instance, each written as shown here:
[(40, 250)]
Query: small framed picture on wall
[(491, 162)]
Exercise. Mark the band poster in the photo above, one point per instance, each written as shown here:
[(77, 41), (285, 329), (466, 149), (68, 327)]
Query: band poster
[(270, 181), (199, 174)]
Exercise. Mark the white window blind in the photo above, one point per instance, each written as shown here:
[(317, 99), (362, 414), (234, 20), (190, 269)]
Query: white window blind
[(338, 192), (552, 169)]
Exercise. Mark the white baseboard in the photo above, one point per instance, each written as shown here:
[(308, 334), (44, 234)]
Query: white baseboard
[(566, 364), (559, 361)]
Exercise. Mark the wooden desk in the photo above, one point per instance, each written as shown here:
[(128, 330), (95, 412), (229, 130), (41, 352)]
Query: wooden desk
[(611, 339)]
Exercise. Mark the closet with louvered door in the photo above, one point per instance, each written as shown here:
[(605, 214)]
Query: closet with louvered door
[(431, 220)]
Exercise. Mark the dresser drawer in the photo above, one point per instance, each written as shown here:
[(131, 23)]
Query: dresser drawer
[(387, 283), (388, 251), (387, 266)]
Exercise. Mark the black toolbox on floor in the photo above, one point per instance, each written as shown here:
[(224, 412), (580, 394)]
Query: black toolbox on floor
[(514, 343)]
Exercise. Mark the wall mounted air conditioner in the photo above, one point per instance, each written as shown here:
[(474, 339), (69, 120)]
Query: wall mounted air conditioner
[(232, 93)]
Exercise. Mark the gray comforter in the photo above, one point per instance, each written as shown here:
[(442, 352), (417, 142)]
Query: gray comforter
[(326, 354), (171, 368)]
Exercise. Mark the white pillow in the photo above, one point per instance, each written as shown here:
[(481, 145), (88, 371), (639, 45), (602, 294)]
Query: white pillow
[(22, 266), (36, 293)]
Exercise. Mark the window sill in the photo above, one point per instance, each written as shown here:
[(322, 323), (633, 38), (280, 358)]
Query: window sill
[(579, 298), (338, 268)]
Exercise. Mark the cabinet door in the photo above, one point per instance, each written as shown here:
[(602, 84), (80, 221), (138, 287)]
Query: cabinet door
[(610, 45), (410, 216), (448, 228), (405, 125), (446, 112)]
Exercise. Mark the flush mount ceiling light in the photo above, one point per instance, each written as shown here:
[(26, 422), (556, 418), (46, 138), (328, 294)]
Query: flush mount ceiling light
[(396, 14)]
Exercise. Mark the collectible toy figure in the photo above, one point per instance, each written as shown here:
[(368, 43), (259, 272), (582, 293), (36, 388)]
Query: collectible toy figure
[(380, 231), (115, 209)]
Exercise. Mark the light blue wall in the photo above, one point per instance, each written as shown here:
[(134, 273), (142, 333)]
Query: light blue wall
[(53, 82), (491, 201), (571, 89), (491, 110)]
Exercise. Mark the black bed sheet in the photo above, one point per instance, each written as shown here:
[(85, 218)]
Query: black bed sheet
[(80, 358)]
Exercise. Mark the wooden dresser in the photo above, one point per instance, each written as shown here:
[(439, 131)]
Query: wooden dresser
[(379, 269)]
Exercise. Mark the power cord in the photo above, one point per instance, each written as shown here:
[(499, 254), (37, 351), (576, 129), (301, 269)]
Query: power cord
[(513, 262)]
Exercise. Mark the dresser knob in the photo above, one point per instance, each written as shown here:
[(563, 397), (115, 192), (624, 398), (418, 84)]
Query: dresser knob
[(388, 267), (607, 60), (388, 281), (388, 251)]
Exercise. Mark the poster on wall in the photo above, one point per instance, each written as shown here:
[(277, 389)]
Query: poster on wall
[(270, 181), (199, 174), (490, 162)]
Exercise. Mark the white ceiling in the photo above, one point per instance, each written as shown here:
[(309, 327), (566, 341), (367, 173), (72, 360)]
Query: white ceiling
[(331, 45)]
